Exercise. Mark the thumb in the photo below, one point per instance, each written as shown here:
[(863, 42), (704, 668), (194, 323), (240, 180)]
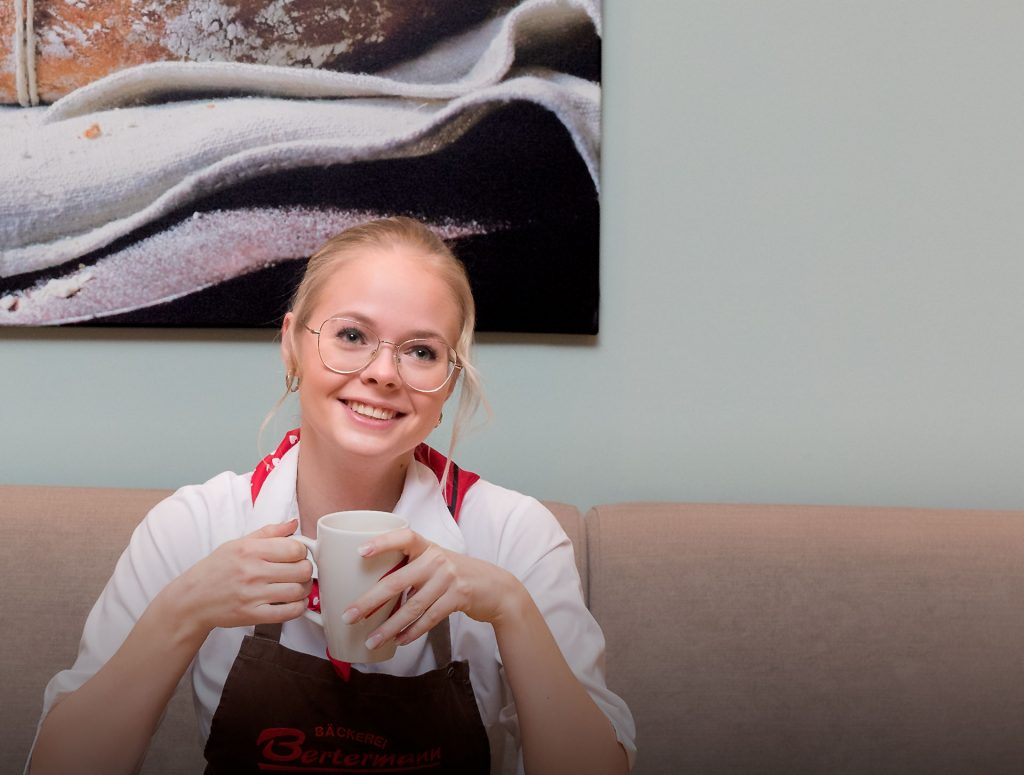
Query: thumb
[(276, 530)]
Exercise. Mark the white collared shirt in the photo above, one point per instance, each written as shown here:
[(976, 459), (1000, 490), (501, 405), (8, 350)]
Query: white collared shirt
[(498, 525)]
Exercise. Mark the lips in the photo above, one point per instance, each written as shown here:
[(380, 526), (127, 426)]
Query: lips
[(374, 412)]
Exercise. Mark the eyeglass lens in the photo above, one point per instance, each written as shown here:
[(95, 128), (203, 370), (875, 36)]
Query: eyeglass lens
[(348, 346)]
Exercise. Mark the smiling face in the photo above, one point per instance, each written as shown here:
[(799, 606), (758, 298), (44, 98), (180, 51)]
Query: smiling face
[(372, 414)]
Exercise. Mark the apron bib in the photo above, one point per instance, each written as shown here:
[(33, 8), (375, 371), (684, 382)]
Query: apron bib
[(286, 711)]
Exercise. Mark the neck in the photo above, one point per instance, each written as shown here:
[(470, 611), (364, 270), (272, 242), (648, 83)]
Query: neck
[(327, 483)]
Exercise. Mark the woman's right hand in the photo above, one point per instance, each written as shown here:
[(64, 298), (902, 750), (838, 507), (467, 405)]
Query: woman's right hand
[(263, 577)]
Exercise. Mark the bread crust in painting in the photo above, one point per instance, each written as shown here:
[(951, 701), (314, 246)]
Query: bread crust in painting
[(80, 41)]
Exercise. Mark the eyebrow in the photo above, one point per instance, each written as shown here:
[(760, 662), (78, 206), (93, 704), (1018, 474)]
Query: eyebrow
[(420, 333)]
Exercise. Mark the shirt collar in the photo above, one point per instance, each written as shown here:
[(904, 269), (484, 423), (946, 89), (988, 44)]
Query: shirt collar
[(421, 502)]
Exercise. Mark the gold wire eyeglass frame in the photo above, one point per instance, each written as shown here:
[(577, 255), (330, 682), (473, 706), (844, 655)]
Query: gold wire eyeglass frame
[(395, 347)]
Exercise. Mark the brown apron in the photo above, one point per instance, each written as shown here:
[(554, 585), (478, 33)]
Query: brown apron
[(285, 711)]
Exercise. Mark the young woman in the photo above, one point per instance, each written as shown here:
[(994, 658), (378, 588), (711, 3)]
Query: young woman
[(499, 664)]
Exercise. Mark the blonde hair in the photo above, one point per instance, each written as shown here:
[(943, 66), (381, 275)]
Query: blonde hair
[(387, 234)]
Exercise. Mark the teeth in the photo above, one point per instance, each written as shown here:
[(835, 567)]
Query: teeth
[(371, 411)]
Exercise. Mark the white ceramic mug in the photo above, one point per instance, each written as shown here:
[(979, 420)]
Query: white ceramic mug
[(344, 576)]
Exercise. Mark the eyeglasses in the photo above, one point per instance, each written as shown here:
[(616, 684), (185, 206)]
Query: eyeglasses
[(347, 346)]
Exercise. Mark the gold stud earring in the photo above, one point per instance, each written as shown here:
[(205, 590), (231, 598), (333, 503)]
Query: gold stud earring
[(291, 381)]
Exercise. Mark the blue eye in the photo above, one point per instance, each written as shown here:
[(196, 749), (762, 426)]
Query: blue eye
[(351, 336), (423, 352)]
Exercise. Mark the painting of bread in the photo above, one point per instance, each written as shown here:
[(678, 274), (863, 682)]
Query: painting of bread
[(77, 42), (175, 162)]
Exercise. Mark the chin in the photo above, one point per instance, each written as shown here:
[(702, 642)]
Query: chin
[(369, 449)]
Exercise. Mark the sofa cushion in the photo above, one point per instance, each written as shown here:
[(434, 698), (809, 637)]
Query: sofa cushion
[(814, 639)]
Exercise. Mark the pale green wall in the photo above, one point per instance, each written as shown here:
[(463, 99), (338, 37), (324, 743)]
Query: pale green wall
[(812, 276)]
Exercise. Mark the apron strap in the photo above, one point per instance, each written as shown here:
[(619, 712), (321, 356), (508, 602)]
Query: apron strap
[(268, 631), (457, 482), (440, 640)]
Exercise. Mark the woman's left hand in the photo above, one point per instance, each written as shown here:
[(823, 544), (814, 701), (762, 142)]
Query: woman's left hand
[(441, 582), (559, 721)]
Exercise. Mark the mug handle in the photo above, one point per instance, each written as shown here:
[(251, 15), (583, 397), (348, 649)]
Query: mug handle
[(310, 545)]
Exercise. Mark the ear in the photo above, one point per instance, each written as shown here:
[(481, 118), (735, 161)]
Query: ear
[(288, 356)]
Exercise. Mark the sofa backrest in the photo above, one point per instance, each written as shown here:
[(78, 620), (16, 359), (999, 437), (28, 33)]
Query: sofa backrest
[(755, 639), (571, 520), (778, 639), (61, 547)]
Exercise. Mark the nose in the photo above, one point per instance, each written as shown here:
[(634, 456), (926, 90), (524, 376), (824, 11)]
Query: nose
[(383, 367)]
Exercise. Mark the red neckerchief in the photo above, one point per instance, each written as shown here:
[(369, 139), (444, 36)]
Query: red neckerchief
[(456, 485)]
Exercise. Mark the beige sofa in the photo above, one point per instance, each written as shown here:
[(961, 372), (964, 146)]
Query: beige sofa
[(746, 639)]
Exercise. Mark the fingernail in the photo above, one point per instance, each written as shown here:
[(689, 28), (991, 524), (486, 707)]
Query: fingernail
[(373, 641), (350, 615), (364, 550)]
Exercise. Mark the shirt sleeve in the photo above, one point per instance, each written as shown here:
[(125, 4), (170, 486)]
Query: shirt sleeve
[(533, 546)]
